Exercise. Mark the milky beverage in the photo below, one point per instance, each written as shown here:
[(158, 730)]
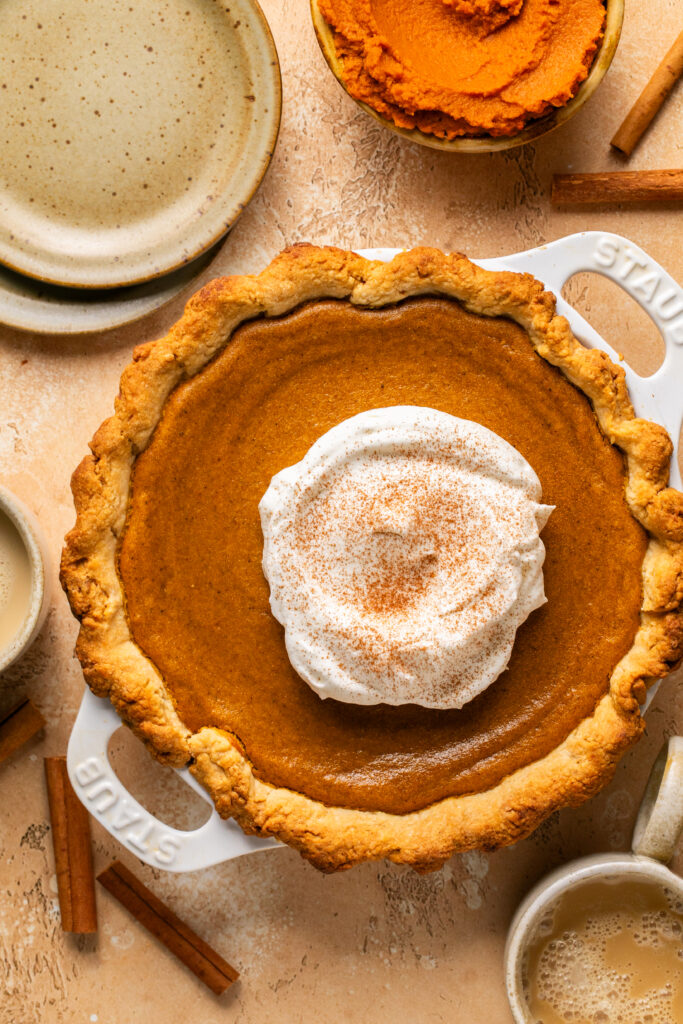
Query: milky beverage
[(608, 953), (15, 581)]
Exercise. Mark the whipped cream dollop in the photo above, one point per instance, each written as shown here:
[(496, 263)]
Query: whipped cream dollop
[(402, 553)]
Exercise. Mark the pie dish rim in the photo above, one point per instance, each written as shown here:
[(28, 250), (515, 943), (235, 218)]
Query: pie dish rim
[(334, 837)]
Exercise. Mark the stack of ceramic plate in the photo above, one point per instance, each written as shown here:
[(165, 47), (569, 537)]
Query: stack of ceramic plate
[(134, 137)]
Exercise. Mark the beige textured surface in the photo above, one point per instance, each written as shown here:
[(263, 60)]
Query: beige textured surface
[(378, 943)]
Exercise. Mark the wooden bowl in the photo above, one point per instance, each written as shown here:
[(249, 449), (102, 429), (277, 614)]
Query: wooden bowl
[(489, 143)]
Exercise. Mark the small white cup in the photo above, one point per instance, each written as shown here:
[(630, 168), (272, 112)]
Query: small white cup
[(34, 542), (658, 828)]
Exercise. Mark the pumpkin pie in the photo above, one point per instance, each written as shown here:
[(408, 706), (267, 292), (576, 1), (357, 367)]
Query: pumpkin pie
[(163, 567)]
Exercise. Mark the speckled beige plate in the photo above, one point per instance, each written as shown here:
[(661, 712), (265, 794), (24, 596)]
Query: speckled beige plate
[(134, 132), (32, 305)]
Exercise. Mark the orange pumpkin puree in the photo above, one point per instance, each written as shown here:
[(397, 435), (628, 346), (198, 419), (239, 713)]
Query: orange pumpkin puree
[(464, 67)]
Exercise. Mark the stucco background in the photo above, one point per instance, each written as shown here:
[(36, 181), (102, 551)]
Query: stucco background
[(377, 944)]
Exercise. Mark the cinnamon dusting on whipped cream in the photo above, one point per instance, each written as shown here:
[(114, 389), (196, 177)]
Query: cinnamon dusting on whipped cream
[(402, 553)]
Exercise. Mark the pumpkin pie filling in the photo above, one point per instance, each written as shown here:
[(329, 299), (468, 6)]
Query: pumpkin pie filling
[(464, 67), (190, 557)]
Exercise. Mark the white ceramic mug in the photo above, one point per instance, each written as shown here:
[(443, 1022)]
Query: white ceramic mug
[(658, 828), (34, 543)]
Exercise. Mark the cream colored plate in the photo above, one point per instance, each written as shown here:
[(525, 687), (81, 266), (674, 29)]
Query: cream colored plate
[(134, 132), (32, 305)]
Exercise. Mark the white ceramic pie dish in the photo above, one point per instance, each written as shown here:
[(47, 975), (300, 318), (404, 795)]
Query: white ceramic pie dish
[(659, 398)]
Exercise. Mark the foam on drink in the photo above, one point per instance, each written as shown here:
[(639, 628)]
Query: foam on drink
[(608, 953)]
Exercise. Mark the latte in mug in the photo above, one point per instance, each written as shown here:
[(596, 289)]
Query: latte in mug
[(608, 952), (15, 581)]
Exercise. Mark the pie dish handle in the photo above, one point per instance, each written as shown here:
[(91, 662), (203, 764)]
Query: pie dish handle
[(110, 803), (660, 819), (660, 396)]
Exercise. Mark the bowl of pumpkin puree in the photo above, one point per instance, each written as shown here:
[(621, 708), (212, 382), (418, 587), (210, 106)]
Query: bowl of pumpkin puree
[(469, 75)]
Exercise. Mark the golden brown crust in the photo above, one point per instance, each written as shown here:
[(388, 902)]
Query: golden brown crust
[(334, 838)]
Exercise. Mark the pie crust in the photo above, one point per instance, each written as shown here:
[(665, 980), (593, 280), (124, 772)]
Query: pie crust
[(333, 837)]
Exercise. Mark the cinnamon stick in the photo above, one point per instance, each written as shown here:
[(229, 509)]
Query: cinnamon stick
[(73, 852), (163, 924), (646, 107), (617, 187), (17, 725)]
